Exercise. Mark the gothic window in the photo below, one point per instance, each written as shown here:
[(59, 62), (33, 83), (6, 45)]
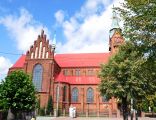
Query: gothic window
[(74, 95), (104, 99), (64, 93), (65, 72), (77, 72), (90, 95), (37, 77), (90, 72)]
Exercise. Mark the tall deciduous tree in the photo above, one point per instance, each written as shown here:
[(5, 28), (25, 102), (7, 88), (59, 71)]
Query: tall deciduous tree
[(131, 73), (140, 28), (121, 77), (17, 93), (140, 25)]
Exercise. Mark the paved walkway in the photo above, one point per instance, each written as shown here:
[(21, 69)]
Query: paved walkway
[(97, 118), (88, 118)]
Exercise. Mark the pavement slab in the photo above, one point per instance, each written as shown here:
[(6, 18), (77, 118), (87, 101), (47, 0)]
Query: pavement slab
[(89, 118)]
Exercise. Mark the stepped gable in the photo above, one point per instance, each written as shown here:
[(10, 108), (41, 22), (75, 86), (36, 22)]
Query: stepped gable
[(41, 48)]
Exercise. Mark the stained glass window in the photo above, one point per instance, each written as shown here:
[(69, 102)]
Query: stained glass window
[(77, 72), (75, 93), (37, 77), (90, 95), (65, 72)]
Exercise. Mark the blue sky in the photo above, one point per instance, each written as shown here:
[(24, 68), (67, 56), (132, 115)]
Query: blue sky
[(80, 25)]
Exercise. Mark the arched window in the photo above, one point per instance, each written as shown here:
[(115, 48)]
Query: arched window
[(75, 94), (90, 95), (77, 72), (37, 77), (104, 99)]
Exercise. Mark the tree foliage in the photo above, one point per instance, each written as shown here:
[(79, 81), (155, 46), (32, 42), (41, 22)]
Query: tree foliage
[(125, 76), (140, 25), (131, 73), (17, 92), (120, 75), (140, 28)]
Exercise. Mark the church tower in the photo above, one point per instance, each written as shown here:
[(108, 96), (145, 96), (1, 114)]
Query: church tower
[(115, 35)]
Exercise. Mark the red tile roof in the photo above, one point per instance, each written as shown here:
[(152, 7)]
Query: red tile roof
[(75, 60), (77, 79), (82, 59), (20, 62)]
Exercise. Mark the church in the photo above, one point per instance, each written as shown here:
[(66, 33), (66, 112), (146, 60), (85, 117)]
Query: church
[(71, 79)]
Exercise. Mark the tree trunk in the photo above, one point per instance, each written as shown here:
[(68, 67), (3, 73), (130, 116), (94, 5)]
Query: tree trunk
[(11, 115), (125, 108)]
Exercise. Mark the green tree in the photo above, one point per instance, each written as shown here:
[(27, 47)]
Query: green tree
[(50, 106), (139, 22), (17, 94), (148, 74), (139, 27), (123, 77)]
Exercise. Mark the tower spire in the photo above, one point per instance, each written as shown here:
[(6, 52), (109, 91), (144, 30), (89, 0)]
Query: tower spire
[(115, 23), (115, 36), (115, 20)]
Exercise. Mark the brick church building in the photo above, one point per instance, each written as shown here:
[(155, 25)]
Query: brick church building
[(71, 79)]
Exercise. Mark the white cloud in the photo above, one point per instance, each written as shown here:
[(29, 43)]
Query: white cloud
[(88, 29), (59, 15), (23, 29), (5, 64)]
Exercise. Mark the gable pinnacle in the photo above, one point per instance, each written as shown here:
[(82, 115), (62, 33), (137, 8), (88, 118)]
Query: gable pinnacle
[(54, 40), (42, 33)]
